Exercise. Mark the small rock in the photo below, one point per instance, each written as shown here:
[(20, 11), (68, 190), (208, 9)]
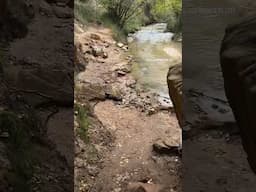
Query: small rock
[(113, 94), (125, 48), (151, 111), (92, 170), (97, 51), (105, 55), (121, 73), (143, 187), (124, 66), (131, 83), (95, 36), (76, 124), (107, 45), (78, 29), (164, 147), (120, 45), (118, 190), (130, 39)]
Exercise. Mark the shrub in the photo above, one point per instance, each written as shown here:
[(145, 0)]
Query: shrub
[(122, 11), (83, 122)]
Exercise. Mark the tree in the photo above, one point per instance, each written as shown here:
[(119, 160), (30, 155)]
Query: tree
[(123, 10)]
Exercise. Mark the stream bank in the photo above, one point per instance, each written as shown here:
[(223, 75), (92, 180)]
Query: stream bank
[(133, 122)]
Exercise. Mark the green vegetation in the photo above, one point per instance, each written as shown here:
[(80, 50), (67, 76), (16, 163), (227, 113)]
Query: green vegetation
[(83, 122), (126, 16), (168, 11), (118, 33), (85, 11), (123, 11)]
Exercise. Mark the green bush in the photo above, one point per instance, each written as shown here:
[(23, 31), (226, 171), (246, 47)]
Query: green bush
[(85, 11), (123, 11), (174, 24), (126, 16), (168, 11), (83, 122)]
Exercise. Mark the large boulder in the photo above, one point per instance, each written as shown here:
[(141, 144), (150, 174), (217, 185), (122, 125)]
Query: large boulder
[(238, 62), (174, 80)]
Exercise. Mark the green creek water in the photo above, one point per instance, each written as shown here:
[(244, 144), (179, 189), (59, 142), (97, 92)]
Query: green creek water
[(154, 52)]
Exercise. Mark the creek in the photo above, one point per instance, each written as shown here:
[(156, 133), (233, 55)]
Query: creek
[(154, 52)]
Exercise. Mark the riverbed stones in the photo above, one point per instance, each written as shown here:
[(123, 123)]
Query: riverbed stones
[(238, 62), (120, 45), (97, 51)]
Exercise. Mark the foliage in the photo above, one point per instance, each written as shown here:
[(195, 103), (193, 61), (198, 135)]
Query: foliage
[(123, 11), (131, 14), (83, 122), (85, 11), (168, 11), (126, 16), (118, 33), (164, 9)]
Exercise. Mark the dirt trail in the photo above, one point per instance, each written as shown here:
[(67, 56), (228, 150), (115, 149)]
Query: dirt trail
[(132, 117), (132, 159)]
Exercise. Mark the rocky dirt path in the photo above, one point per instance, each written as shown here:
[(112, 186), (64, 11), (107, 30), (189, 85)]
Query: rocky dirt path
[(132, 159), (133, 117)]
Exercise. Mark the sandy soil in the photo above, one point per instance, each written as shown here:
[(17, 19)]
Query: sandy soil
[(132, 159)]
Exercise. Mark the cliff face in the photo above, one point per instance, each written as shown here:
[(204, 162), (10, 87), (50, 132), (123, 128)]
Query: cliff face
[(37, 67), (2, 9), (14, 17), (238, 62)]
